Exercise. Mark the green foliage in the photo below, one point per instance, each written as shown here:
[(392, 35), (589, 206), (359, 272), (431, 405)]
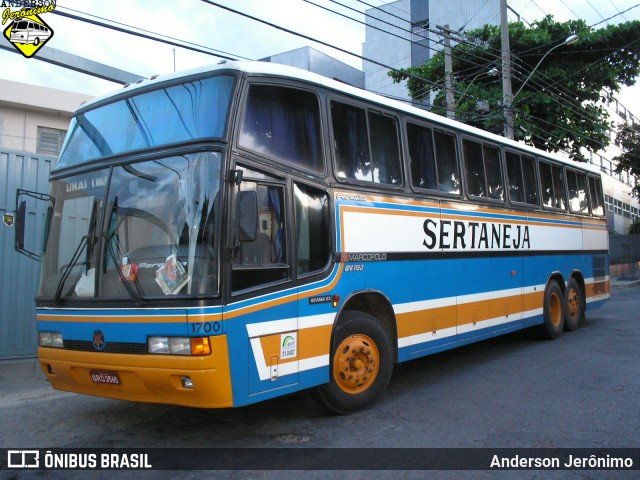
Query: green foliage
[(560, 107), (629, 139), (634, 228)]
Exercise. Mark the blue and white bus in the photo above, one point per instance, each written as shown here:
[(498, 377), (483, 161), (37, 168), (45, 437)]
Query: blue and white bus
[(236, 233)]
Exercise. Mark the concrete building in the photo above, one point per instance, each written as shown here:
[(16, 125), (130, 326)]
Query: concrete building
[(35, 119), (402, 34), (312, 60)]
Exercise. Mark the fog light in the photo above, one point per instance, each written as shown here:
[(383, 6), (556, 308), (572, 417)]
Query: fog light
[(187, 382)]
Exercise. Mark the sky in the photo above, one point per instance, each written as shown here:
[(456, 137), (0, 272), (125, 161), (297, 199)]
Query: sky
[(207, 25)]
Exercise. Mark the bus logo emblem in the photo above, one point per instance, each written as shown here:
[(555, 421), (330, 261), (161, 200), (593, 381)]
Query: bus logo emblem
[(98, 340), (28, 34)]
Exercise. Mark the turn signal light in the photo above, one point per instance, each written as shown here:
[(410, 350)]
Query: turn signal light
[(200, 346)]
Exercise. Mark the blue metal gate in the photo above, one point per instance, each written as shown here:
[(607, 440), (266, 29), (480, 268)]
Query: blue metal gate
[(19, 274)]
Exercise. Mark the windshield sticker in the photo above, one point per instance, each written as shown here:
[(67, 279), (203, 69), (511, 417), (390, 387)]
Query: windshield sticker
[(172, 276)]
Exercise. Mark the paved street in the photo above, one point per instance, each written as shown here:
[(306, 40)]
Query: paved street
[(582, 390)]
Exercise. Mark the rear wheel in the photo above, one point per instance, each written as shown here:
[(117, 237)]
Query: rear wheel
[(361, 364), (573, 306), (552, 311)]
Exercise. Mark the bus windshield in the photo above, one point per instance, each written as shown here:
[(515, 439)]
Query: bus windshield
[(144, 230), (174, 114)]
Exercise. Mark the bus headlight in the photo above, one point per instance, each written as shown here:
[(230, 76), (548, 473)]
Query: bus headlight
[(50, 339), (179, 345)]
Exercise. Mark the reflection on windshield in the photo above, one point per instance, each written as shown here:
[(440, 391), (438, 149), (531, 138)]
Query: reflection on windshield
[(179, 113), (158, 227)]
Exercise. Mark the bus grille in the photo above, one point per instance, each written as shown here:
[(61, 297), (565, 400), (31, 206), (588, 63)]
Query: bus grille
[(110, 347)]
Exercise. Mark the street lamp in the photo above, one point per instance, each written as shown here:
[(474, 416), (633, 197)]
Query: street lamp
[(491, 72), (567, 41)]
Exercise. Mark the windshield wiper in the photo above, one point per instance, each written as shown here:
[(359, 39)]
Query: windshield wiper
[(134, 294), (72, 263)]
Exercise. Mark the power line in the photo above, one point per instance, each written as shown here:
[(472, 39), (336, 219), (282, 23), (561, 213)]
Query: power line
[(307, 37), (167, 40)]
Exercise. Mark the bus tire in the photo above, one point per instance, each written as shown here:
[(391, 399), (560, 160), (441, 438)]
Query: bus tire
[(553, 314), (573, 306), (36, 42), (361, 364)]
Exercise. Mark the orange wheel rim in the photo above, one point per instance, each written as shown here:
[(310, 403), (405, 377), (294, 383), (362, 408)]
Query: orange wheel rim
[(573, 304), (356, 363), (555, 309)]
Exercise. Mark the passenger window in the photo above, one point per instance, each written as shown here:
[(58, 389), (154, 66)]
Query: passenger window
[(448, 170), (493, 169), (577, 190), (313, 234), (434, 165), (352, 136), (595, 193), (530, 180), (385, 151), (484, 171), (522, 177), (476, 183), (283, 123), (553, 191)]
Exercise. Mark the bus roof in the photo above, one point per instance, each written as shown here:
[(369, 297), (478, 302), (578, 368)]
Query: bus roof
[(284, 71)]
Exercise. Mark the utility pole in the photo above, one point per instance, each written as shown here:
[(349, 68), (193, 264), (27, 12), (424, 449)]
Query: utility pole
[(507, 93), (448, 73)]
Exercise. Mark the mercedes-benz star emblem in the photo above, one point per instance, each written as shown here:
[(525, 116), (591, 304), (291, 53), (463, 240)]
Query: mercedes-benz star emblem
[(98, 340)]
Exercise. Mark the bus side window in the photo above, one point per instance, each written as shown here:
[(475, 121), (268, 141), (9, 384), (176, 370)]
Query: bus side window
[(263, 260), (422, 157), (576, 186), (553, 187), (493, 168), (447, 160), (530, 180), (514, 174), (559, 188), (313, 234), (385, 152), (521, 173), (283, 123), (548, 198), (595, 192), (434, 165), (353, 131), (474, 165)]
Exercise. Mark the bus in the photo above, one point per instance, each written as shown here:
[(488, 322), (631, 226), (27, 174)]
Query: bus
[(29, 31), (240, 232)]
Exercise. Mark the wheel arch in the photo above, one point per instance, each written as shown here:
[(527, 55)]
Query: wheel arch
[(376, 304), (559, 278)]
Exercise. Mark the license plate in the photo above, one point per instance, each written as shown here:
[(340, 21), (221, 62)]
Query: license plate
[(107, 378)]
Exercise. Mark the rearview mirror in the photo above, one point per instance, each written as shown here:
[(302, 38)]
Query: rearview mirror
[(35, 249)]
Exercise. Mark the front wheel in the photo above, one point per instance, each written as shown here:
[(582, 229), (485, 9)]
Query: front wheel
[(361, 364)]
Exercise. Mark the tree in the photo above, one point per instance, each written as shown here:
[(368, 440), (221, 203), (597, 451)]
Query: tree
[(560, 107), (629, 139)]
